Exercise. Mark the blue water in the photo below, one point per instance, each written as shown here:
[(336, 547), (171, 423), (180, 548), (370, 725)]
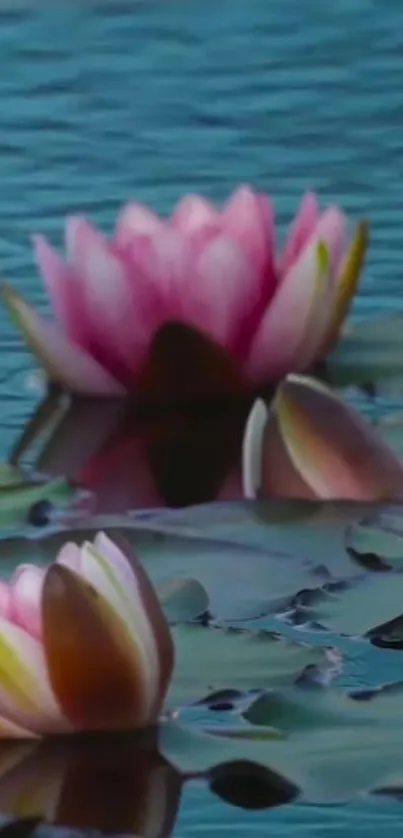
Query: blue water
[(103, 102)]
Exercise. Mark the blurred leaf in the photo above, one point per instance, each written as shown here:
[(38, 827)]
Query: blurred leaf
[(20, 493)]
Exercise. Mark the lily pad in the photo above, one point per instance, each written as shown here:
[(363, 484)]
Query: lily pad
[(20, 493), (358, 608), (377, 541), (183, 599), (209, 660), (333, 747), (251, 562)]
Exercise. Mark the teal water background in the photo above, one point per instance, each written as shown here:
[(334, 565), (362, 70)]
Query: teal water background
[(103, 102)]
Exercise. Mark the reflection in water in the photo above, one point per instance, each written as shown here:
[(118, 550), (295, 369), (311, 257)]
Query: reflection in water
[(118, 785), (131, 460), (123, 786), (178, 444)]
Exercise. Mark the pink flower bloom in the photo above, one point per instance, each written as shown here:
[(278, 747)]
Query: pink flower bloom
[(310, 444), (216, 271), (84, 644)]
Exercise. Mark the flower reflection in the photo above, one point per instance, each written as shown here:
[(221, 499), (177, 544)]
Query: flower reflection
[(130, 460), (110, 784)]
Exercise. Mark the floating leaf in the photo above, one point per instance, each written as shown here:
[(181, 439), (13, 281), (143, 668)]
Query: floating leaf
[(19, 493), (378, 537), (209, 659), (359, 607), (333, 747), (251, 559), (183, 599)]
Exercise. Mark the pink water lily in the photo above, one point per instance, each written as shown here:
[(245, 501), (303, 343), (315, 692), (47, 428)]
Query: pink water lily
[(217, 271), (310, 444), (84, 645)]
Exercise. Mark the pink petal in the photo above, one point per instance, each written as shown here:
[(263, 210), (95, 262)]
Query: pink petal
[(301, 230), (249, 219), (64, 362), (64, 289), (278, 342), (136, 220), (332, 231), (26, 591), (26, 697), (193, 214), (226, 290), (122, 304)]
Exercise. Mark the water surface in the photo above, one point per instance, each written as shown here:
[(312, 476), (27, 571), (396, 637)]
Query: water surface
[(104, 102)]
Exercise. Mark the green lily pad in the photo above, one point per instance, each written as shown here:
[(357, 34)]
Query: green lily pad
[(209, 660), (378, 538), (360, 608), (249, 564), (183, 599), (331, 748), (19, 492)]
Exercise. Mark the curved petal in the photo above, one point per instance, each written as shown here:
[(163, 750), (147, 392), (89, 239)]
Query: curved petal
[(26, 592), (249, 219), (122, 596), (64, 290), (26, 697), (145, 603), (115, 298), (226, 290), (333, 449), (252, 449), (276, 347), (136, 220), (268, 471), (347, 283), (63, 362), (129, 592), (70, 556), (193, 214), (303, 227), (95, 668)]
